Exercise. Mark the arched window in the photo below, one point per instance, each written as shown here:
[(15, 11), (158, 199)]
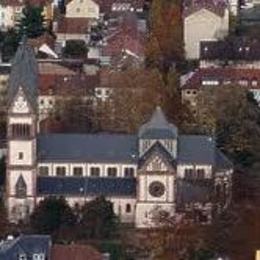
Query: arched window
[(20, 188)]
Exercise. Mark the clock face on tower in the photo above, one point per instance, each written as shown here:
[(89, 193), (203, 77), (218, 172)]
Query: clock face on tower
[(156, 189)]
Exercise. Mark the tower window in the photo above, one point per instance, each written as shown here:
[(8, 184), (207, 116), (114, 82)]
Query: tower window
[(78, 171), (129, 172), (20, 188), (20, 155), (61, 171), (111, 171), (128, 208), (20, 130), (94, 171)]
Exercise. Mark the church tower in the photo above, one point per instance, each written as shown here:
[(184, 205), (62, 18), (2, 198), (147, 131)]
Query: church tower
[(156, 170), (21, 133)]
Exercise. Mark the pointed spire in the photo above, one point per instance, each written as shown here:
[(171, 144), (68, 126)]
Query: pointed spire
[(24, 73), (158, 127)]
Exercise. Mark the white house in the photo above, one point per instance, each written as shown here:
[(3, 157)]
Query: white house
[(203, 21), (156, 169)]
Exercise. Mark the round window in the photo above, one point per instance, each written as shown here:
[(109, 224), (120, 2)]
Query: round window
[(156, 189)]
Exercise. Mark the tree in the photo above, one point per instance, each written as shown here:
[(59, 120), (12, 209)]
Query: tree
[(98, 220), (51, 215), (135, 94), (9, 42), (4, 224), (32, 22), (165, 42), (231, 114), (2, 171), (75, 49)]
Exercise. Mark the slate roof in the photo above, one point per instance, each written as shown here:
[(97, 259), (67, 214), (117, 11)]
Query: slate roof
[(237, 49), (158, 127), (192, 191), (197, 149), (86, 186), (24, 73), (87, 148), (25, 244), (157, 148), (221, 161)]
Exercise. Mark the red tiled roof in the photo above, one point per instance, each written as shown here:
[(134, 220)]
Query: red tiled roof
[(216, 6), (22, 2), (127, 37), (75, 252), (249, 78), (78, 84), (73, 25), (46, 38)]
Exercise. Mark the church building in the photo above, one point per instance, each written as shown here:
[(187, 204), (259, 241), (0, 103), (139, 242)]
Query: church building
[(155, 170)]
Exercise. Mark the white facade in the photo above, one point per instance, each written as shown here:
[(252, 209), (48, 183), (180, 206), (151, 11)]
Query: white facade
[(203, 25)]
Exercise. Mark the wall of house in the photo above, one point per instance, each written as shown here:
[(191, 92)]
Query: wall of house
[(82, 8), (203, 25)]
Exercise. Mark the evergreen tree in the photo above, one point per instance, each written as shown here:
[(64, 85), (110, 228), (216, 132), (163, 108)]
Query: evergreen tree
[(32, 22), (98, 220), (51, 215)]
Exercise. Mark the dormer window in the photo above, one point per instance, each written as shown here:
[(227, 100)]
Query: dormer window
[(40, 256), (22, 257), (210, 82)]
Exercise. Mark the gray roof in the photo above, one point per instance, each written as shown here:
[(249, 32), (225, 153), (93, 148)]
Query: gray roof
[(114, 148), (86, 186), (158, 127), (25, 244), (197, 149), (192, 191), (221, 161), (24, 73)]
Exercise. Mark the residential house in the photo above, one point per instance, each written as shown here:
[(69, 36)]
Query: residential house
[(203, 20), (24, 247), (154, 170), (196, 81), (235, 53)]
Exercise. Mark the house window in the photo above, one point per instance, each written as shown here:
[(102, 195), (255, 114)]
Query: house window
[(78, 171), (254, 83), (22, 257), (243, 82), (188, 174), (20, 155), (78, 10), (61, 171), (94, 171), (44, 170), (39, 256), (200, 173), (128, 208), (111, 171)]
